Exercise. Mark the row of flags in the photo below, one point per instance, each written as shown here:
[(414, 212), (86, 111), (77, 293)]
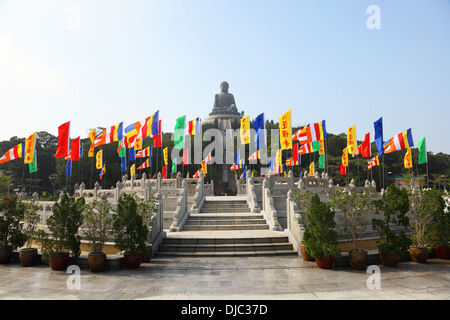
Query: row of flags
[(308, 139)]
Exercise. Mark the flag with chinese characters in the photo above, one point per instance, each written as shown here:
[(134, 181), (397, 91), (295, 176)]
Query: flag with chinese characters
[(351, 140), (166, 155), (92, 138), (311, 169), (133, 170), (99, 159), (30, 145), (245, 130), (345, 157), (285, 131)]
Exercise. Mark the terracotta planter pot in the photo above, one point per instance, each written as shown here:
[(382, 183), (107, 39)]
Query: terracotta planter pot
[(389, 258), (305, 254), (418, 254), (146, 257), (358, 259), (97, 261), (5, 254), (132, 261), (442, 252), (59, 262), (325, 262), (28, 256)]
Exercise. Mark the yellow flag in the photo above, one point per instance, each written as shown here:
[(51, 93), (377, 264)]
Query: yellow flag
[(408, 159), (285, 131), (278, 161), (204, 167), (138, 144), (166, 155), (133, 170), (91, 149), (351, 140), (345, 157), (245, 130), (99, 159), (322, 147), (311, 169), (30, 144)]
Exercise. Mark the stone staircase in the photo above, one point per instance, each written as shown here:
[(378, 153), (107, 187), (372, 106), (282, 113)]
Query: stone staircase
[(225, 227)]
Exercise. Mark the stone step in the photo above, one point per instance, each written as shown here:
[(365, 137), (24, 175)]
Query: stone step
[(207, 240), (225, 254), (221, 222), (189, 227), (225, 247), (225, 215), (225, 210)]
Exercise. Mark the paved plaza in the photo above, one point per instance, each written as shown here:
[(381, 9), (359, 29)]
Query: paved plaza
[(228, 278)]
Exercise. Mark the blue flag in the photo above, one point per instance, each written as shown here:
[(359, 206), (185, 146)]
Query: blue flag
[(132, 156), (123, 164), (260, 138), (237, 158), (378, 125), (69, 168)]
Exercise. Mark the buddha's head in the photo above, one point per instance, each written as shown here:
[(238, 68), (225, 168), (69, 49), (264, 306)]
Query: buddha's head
[(224, 87)]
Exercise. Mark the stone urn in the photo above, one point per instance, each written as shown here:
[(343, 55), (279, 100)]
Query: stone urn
[(418, 254), (358, 259)]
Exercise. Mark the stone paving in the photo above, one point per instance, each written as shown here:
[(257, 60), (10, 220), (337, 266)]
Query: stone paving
[(230, 278)]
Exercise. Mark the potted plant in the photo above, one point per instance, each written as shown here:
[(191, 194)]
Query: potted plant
[(130, 231), (28, 255), (392, 209), (62, 239), (440, 226), (147, 209), (12, 212), (355, 207), (97, 227), (321, 237), (303, 200)]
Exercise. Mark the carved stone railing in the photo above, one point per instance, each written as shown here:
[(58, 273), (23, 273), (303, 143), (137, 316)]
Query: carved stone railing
[(181, 212), (270, 213), (252, 199)]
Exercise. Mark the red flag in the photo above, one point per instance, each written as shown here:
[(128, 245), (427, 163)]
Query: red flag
[(62, 150), (186, 157), (164, 172), (343, 169), (75, 149), (295, 153), (157, 138), (364, 148)]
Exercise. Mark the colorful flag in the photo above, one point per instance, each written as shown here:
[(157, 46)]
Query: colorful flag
[(260, 136), (289, 162), (147, 152), (121, 149), (111, 134), (197, 174), (407, 160), (255, 156), (91, 149), (174, 165), (62, 150), (103, 171), (30, 145), (279, 161), (364, 148), (133, 170), (68, 168), (400, 141), (123, 164), (322, 161), (285, 131), (343, 169), (305, 149), (147, 163), (132, 154), (164, 172), (351, 140), (295, 154), (194, 127), (318, 131), (75, 149), (138, 144), (13, 153), (422, 151), (373, 162), (244, 174), (303, 135), (99, 159), (245, 130), (378, 126), (33, 165), (237, 159), (208, 158), (204, 167), (179, 133)]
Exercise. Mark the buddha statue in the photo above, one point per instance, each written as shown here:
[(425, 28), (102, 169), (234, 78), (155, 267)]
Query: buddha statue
[(224, 102)]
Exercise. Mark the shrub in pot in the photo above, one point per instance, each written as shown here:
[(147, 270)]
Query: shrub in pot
[(97, 227), (62, 239), (130, 231), (354, 206), (321, 238), (303, 200), (12, 212), (392, 210), (147, 209), (440, 225), (28, 255)]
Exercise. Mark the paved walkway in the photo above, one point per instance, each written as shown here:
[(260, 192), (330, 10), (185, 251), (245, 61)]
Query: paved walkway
[(243, 278)]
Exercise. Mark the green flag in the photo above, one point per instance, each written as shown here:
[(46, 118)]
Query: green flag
[(33, 165), (121, 150), (422, 151), (316, 146), (174, 165), (179, 133), (322, 161)]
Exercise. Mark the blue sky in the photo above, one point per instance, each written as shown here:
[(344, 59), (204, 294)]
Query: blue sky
[(98, 63)]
